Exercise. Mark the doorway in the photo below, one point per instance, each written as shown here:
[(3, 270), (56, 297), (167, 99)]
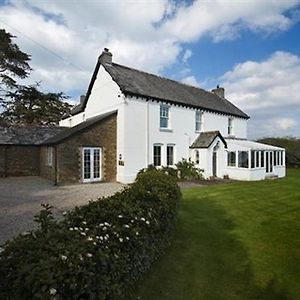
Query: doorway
[(91, 164)]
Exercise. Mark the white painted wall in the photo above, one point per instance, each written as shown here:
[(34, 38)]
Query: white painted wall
[(141, 130), (106, 96)]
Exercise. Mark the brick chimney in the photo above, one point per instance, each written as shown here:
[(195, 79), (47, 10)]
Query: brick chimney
[(106, 56), (219, 91)]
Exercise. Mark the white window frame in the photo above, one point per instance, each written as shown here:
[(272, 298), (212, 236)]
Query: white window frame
[(198, 121), (92, 178), (235, 159), (50, 156), (230, 126), (164, 113), (173, 158), (153, 157)]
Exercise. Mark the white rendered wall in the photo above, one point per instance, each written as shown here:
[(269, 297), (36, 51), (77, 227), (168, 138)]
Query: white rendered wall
[(142, 131), (106, 96)]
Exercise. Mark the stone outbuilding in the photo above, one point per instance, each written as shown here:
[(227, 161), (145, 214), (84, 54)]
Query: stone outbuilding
[(83, 153)]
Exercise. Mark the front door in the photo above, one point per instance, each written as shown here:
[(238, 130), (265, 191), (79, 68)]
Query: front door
[(214, 164), (91, 164)]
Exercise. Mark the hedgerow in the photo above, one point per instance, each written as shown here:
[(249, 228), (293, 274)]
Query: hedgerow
[(98, 250)]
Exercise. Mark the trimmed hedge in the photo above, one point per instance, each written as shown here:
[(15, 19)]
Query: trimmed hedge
[(98, 250)]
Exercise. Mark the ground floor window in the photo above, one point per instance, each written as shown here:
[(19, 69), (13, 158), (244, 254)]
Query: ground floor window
[(243, 160), (157, 155), (91, 164), (257, 159), (170, 155), (252, 159), (262, 159), (231, 159)]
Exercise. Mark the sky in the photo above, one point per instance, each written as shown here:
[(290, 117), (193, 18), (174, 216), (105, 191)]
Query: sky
[(250, 47)]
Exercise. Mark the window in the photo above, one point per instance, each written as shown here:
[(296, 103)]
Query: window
[(164, 117), (198, 121), (252, 159), (230, 126), (50, 156), (281, 158), (170, 155), (231, 159), (262, 159), (197, 157), (157, 155), (243, 159), (257, 159)]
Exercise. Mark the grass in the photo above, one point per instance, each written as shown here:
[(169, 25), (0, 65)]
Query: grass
[(233, 241)]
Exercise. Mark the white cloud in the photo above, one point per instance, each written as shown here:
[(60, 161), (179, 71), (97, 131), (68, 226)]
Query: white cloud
[(269, 92), (191, 80), (145, 35), (187, 55)]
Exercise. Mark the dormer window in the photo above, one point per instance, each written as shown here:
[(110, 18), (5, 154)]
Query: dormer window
[(230, 126), (198, 121), (164, 117)]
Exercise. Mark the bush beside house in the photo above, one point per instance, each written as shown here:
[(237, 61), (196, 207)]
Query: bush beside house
[(98, 250)]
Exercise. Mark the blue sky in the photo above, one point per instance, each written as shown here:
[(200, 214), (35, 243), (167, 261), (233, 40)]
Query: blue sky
[(252, 48)]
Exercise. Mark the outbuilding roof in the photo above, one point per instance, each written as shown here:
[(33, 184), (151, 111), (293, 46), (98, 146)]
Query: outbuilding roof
[(206, 138), (152, 87), (17, 135)]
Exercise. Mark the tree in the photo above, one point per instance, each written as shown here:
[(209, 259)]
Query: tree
[(13, 63), (29, 106)]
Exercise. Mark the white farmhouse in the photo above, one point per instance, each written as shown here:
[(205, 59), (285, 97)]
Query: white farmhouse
[(161, 121)]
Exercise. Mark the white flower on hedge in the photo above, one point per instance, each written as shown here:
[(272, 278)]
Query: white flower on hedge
[(64, 213), (120, 216), (132, 221), (75, 228), (101, 238), (126, 226), (84, 222), (101, 224), (89, 238), (104, 228), (89, 255), (87, 229), (127, 238), (63, 257), (52, 291), (80, 228), (71, 228), (106, 224), (82, 233), (121, 240), (137, 233), (147, 222), (143, 219), (97, 237)]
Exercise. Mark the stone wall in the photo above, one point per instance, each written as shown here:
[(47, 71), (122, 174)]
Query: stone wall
[(19, 160), (103, 135)]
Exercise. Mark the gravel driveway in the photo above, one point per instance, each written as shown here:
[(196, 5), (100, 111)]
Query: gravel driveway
[(21, 199)]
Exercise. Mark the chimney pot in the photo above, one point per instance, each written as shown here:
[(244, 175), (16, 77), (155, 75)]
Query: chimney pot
[(219, 91), (105, 57)]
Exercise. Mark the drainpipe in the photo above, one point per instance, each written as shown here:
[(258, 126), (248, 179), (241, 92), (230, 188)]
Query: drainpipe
[(147, 135)]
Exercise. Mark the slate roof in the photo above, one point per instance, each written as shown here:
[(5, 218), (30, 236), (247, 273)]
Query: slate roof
[(63, 135), (138, 83), (16, 135), (206, 138)]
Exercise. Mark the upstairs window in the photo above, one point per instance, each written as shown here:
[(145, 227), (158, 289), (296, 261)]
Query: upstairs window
[(157, 155), (170, 155), (230, 126), (164, 117), (199, 121)]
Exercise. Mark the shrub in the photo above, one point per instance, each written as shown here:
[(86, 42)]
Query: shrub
[(98, 250), (188, 171)]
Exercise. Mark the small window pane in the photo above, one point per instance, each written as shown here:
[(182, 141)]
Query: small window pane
[(231, 159), (262, 159), (87, 164), (170, 155), (243, 159), (157, 155), (96, 163), (252, 159), (257, 159)]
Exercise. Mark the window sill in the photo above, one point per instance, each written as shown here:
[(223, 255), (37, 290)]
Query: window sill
[(165, 130)]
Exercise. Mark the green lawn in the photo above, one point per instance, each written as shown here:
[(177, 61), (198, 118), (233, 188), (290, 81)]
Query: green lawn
[(233, 241)]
